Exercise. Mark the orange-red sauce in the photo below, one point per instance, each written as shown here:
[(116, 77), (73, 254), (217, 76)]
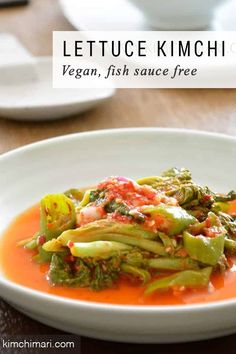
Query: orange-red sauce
[(18, 266)]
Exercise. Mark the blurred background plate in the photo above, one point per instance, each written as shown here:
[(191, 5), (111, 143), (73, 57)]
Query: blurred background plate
[(36, 99)]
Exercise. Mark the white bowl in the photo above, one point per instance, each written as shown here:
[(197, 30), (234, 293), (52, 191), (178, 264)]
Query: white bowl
[(122, 15), (82, 159), (178, 14)]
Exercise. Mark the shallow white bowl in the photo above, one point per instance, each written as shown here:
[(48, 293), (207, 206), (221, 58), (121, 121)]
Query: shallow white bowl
[(179, 14), (123, 15), (82, 159)]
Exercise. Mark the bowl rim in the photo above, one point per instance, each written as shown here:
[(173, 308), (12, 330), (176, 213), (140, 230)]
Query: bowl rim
[(114, 308), (115, 131)]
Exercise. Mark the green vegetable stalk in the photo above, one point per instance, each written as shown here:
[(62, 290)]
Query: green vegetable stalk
[(75, 195), (104, 226), (175, 219), (204, 249), (172, 263), (185, 279), (104, 230), (98, 249), (77, 236), (225, 198), (86, 199), (230, 245), (136, 272), (53, 246), (57, 214), (29, 243)]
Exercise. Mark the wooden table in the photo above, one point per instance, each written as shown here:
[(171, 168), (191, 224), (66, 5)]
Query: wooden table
[(212, 110)]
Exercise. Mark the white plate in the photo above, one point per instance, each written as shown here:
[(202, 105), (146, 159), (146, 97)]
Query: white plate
[(34, 98), (82, 159), (121, 15)]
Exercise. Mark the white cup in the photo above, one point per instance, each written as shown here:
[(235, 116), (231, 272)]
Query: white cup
[(178, 14)]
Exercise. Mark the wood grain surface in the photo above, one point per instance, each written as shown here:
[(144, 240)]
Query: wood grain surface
[(211, 110)]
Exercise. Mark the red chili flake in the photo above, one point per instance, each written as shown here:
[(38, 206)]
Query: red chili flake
[(230, 261), (41, 240), (208, 223), (70, 244), (207, 197), (182, 252), (69, 258)]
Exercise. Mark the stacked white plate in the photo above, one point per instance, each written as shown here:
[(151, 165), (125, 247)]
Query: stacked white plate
[(26, 89)]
